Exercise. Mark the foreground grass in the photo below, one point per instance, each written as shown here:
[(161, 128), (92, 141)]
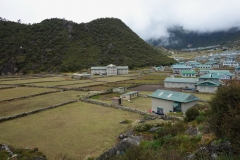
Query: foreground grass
[(29, 104), (75, 130), (21, 91)]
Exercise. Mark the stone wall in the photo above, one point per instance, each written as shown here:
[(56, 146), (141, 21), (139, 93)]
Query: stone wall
[(35, 111), (32, 95)]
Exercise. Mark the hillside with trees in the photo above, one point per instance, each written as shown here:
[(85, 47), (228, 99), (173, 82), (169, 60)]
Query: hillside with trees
[(58, 45)]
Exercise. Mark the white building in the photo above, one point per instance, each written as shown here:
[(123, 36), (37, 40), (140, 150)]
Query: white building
[(109, 70)]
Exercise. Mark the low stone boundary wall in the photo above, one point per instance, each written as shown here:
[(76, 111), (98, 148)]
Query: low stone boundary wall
[(35, 111), (118, 107), (32, 95), (6, 87)]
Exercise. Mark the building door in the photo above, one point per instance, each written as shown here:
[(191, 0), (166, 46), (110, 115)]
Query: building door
[(160, 111), (177, 107)]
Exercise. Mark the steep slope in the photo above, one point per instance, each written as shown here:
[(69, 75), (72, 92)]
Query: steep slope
[(180, 38), (60, 45)]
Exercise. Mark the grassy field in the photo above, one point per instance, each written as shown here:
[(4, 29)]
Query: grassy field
[(139, 103), (21, 91), (143, 81), (82, 85), (23, 81), (75, 130), (67, 82), (5, 85), (113, 79), (29, 104)]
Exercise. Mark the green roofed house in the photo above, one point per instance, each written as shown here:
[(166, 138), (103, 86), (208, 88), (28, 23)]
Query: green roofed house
[(207, 86), (180, 82), (188, 73), (179, 68), (164, 101)]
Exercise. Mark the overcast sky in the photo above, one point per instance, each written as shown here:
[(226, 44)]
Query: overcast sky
[(147, 18)]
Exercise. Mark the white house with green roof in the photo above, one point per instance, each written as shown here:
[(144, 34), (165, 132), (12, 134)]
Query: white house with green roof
[(188, 73), (209, 77), (180, 82), (207, 86), (109, 70), (179, 68), (164, 101), (203, 66)]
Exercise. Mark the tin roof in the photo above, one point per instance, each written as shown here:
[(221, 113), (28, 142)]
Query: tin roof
[(174, 96), (98, 68), (122, 67), (208, 83), (181, 66), (188, 72), (183, 80)]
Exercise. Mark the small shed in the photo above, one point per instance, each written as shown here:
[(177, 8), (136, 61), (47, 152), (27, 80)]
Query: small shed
[(116, 101), (120, 89), (129, 95)]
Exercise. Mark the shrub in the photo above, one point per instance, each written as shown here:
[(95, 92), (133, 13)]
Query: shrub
[(192, 113), (224, 114), (175, 129), (141, 127), (200, 118)]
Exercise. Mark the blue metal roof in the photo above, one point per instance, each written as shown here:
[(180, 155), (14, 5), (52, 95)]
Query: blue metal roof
[(174, 96)]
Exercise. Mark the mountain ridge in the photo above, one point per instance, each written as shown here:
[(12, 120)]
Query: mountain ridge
[(179, 38)]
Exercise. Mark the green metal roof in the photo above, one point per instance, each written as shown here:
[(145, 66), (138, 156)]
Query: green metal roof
[(188, 72), (209, 75), (181, 66), (208, 83), (183, 80), (203, 65), (174, 96), (122, 67), (98, 68)]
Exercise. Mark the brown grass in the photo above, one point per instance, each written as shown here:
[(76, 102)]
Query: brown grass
[(81, 85), (22, 81), (51, 84), (21, 91), (75, 130), (29, 104)]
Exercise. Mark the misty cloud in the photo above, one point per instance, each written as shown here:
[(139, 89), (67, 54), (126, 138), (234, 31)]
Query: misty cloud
[(148, 18)]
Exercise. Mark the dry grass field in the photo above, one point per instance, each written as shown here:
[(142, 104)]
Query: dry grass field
[(23, 81), (75, 130), (113, 79), (82, 85), (67, 82), (29, 104), (139, 103), (143, 81), (21, 91)]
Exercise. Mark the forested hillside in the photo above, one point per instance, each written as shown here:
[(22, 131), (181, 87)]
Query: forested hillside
[(59, 45)]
